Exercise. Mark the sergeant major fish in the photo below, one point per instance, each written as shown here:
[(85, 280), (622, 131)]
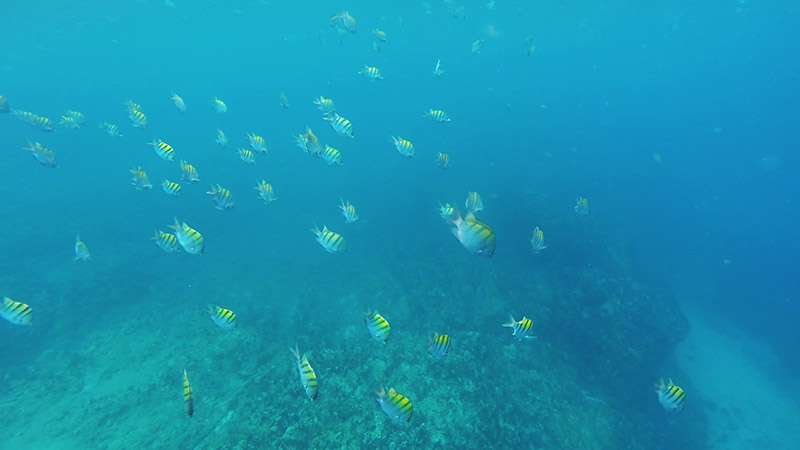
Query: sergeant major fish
[(377, 326), (331, 241), (474, 235), (189, 238), (17, 313), (44, 155), (166, 241), (670, 396), (523, 329), (222, 197), (224, 318), (397, 406), (81, 250), (188, 399), (308, 378)]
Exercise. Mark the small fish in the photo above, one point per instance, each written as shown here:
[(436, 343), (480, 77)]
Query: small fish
[(224, 318), (332, 242), (332, 156), (340, 125), (379, 35), (131, 106), (110, 129), (171, 188), (219, 106), (189, 173), (377, 326), (348, 22), (167, 242), (257, 143), (44, 155), (35, 120), (187, 395), (265, 192), (221, 139), (163, 150), (437, 71), (442, 160), (325, 105), (397, 406), (348, 211), (376, 46), (371, 73), (670, 396), (138, 119), (474, 235), (178, 102), (440, 345), (284, 101), (523, 329), (4, 105), (581, 206), (77, 116), (537, 241), (140, 180), (17, 313), (69, 123), (437, 115), (222, 197), (473, 202), (311, 144), (81, 250), (476, 46), (403, 146), (308, 378), (247, 156), (189, 238)]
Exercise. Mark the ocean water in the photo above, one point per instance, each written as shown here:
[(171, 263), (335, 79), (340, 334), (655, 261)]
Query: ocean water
[(676, 120)]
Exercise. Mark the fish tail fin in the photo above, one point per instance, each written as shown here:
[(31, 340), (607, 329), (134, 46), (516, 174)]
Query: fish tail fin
[(176, 226), (511, 322), (295, 351), (316, 230)]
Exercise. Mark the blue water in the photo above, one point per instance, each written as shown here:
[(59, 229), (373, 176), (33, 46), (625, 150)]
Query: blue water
[(676, 120)]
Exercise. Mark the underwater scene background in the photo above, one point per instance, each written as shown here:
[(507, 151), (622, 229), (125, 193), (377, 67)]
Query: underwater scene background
[(676, 121)]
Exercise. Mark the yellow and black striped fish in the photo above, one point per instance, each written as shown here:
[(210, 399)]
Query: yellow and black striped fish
[(166, 241), (223, 199), (397, 406), (523, 329), (17, 313), (164, 150), (371, 73), (138, 119), (189, 172), (224, 318), (443, 160), (37, 121), (377, 326), (188, 399), (437, 115), (171, 188), (440, 345), (474, 235), (342, 126), (308, 378), (331, 241), (670, 396), (332, 156), (246, 156), (190, 239), (403, 146), (140, 180)]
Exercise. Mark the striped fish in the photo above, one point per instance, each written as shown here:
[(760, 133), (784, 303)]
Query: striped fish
[(138, 119), (187, 395), (171, 188), (379, 35), (219, 106), (348, 211), (325, 105), (131, 106), (178, 102), (397, 406), (81, 250), (265, 192), (448, 212), (473, 202), (332, 156), (224, 318), (110, 129), (474, 235), (140, 180), (189, 238), (166, 241), (164, 150), (440, 345), (581, 206), (189, 173), (284, 101), (76, 115), (35, 120), (437, 115), (308, 378), (371, 73), (257, 143), (403, 146), (222, 197), (247, 156), (221, 139), (523, 329), (670, 396), (332, 242), (443, 160), (537, 241), (377, 326), (44, 155), (17, 313), (69, 122), (340, 125)]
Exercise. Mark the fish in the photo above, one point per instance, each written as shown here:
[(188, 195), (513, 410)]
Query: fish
[(69, 122), (437, 115), (348, 22), (284, 101), (537, 241), (523, 329), (44, 155), (474, 235), (331, 241), (403, 146), (188, 401), (670, 396), (189, 173), (131, 106), (178, 102), (379, 35), (138, 119), (224, 318), (437, 71), (325, 105), (17, 313), (190, 239), (219, 106), (110, 129), (476, 47), (257, 143), (265, 192), (348, 211), (377, 326), (397, 406), (332, 156), (77, 116), (247, 156), (81, 250), (440, 345), (340, 125), (222, 197), (442, 160), (163, 150), (166, 241), (140, 180), (308, 378), (4, 105), (473, 202), (371, 73), (171, 188), (376, 46), (221, 139), (310, 143), (37, 121), (581, 206)]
